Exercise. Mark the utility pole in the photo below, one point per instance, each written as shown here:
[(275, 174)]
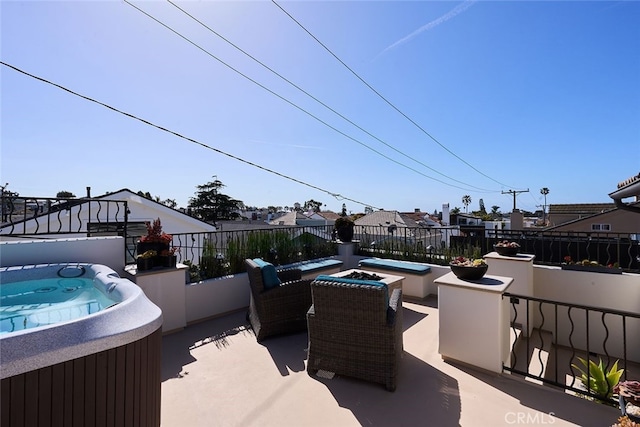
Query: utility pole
[(515, 193)]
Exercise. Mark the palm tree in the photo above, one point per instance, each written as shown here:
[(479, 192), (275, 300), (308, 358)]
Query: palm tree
[(495, 211), (544, 191), (466, 200)]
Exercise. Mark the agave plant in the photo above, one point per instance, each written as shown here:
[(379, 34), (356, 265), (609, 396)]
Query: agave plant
[(598, 380)]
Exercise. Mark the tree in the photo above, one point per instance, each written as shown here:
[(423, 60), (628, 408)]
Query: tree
[(466, 200), (170, 203), (344, 210), (495, 212), (6, 201), (544, 191), (146, 195), (483, 211), (65, 195), (211, 205), (455, 211), (312, 205)]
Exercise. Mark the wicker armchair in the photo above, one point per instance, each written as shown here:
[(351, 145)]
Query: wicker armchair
[(353, 331), (281, 309)]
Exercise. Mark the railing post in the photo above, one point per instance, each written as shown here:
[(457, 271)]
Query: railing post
[(520, 268)]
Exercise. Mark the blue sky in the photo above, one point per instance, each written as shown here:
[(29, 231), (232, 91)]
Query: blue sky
[(473, 98)]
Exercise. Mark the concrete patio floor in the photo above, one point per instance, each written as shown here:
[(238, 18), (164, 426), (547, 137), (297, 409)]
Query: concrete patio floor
[(216, 374)]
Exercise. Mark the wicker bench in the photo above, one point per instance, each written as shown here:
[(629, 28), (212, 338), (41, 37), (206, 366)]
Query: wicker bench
[(311, 269), (416, 275)]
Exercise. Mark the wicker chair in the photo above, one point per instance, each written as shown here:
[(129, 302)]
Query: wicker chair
[(354, 332), (281, 309)]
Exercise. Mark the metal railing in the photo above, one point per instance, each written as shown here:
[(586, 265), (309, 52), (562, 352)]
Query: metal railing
[(441, 244), (53, 217), (563, 333)]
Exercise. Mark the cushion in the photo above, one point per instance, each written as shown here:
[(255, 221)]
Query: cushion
[(390, 264), (327, 278), (270, 277), (375, 283)]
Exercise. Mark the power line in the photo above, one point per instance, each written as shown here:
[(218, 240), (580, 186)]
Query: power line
[(132, 116), (318, 100), (288, 101), (385, 99)]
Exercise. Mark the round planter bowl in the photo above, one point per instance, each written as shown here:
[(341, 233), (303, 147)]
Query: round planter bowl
[(469, 273), (506, 250)]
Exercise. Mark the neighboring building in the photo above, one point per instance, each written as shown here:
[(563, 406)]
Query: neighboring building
[(564, 213), (388, 219), (381, 226), (290, 219), (629, 188), (329, 216), (618, 217), (423, 219), (613, 220), (465, 219)]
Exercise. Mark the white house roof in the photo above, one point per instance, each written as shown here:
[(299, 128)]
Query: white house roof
[(140, 209)]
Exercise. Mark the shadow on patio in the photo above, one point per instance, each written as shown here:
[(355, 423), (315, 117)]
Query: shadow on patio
[(216, 374)]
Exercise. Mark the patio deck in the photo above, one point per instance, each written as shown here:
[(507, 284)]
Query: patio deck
[(215, 374)]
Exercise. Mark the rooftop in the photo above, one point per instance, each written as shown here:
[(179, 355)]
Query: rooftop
[(214, 373)]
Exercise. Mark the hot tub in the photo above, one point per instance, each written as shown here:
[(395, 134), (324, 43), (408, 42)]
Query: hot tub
[(92, 362)]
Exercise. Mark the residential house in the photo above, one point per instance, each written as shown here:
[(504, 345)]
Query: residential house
[(564, 213), (93, 217), (613, 220), (423, 219)]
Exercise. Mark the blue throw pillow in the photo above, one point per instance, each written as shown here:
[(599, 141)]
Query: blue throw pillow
[(269, 274)]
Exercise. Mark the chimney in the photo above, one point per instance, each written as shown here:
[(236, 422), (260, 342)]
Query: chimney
[(417, 210), (88, 192), (445, 214)]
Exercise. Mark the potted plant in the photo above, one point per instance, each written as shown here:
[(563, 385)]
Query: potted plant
[(590, 266), (507, 248), (145, 261), (156, 239), (168, 257), (468, 269), (344, 228)]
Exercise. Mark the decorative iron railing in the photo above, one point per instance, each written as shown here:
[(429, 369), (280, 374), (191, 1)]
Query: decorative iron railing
[(440, 244), (552, 336), (42, 217)]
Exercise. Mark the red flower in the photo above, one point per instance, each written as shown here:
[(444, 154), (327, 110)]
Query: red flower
[(155, 233)]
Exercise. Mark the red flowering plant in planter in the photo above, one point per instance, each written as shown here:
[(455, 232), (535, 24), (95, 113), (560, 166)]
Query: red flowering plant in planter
[(155, 239), (155, 233)]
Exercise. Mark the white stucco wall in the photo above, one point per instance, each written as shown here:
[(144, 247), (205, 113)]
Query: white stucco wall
[(107, 251)]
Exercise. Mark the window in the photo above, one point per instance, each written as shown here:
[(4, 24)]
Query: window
[(600, 227)]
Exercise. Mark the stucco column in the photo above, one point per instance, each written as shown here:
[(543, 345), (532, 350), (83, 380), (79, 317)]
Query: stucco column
[(474, 320)]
